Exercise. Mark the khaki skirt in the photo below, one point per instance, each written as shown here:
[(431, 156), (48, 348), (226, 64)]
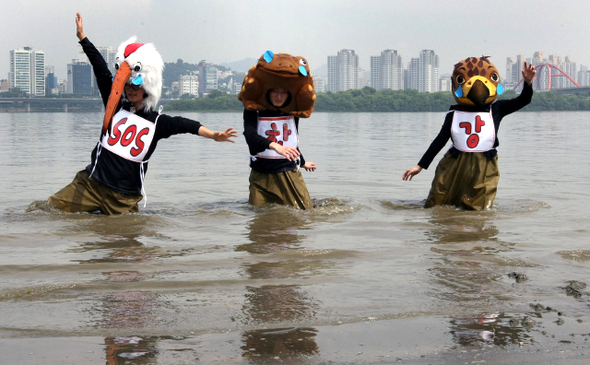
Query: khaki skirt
[(287, 188), (469, 181)]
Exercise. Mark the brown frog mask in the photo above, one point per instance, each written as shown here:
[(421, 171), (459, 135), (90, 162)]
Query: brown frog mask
[(279, 71)]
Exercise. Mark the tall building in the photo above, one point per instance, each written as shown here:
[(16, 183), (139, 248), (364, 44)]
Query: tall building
[(27, 70), (413, 74), (387, 71), (50, 81), (343, 71), (538, 58), (428, 72), (583, 76), (189, 84), (80, 78), (570, 68), (518, 68), (376, 72), (445, 83), (320, 84), (109, 56), (208, 78), (332, 84)]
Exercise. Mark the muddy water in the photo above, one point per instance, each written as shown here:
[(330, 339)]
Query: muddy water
[(369, 276)]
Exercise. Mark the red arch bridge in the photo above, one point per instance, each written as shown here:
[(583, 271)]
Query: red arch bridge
[(549, 75)]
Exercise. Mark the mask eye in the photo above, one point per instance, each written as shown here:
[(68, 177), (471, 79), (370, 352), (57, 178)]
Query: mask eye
[(460, 79), (117, 65), (495, 77), (303, 62), (137, 67)]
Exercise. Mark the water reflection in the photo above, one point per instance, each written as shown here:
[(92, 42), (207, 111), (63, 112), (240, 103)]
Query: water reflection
[(465, 275), (122, 308), (274, 230), (131, 350), (283, 343), (119, 239), (452, 225), (490, 329)]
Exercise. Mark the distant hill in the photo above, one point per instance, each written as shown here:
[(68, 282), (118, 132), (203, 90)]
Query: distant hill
[(242, 65), (321, 71)]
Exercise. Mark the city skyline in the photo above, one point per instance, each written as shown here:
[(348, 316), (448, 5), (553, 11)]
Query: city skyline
[(343, 73), (231, 30)]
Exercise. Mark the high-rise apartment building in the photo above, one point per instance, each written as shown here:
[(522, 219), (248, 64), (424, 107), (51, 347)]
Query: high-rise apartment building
[(343, 71), (571, 69), (208, 78), (80, 78), (189, 84), (27, 70), (387, 71), (109, 56), (50, 80), (538, 58), (413, 74), (428, 72), (518, 68)]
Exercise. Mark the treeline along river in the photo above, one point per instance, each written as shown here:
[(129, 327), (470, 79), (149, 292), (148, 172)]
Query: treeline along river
[(362, 100)]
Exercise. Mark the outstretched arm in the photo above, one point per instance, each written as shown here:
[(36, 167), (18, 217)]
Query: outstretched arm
[(79, 28), (224, 136)]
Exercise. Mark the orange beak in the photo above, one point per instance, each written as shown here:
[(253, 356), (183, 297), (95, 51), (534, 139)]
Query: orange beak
[(117, 88)]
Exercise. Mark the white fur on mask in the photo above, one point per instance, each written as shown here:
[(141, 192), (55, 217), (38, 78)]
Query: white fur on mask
[(152, 67)]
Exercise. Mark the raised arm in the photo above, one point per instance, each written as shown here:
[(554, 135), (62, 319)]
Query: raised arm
[(79, 28)]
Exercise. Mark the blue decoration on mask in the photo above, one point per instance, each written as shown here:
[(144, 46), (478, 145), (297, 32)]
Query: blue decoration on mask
[(137, 81), (459, 92), (302, 70), (499, 89), (268, 55)]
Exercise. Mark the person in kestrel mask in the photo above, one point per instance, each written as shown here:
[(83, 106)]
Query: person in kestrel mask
[(468, 175)]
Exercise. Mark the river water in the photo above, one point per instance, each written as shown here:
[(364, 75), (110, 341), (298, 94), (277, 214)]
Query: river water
[(368, 276)]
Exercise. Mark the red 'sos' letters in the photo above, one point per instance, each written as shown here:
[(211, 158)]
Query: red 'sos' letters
[(128, 136)]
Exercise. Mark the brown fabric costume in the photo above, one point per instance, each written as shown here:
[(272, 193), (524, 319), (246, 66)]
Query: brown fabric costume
[(468, 181), (287, 188), (86, 195)]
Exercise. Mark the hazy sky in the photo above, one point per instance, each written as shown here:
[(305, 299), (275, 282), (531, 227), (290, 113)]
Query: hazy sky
[(221, 31)]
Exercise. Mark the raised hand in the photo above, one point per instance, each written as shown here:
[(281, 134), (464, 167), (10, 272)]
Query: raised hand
[(528, 73), (79, 29)]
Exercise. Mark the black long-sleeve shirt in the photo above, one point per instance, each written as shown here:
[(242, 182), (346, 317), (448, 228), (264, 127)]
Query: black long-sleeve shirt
[(499, 109), (257, 143), (110, 169)]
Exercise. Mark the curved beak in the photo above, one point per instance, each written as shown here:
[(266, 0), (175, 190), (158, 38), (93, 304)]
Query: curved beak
[(117, 89), (479, 93)]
